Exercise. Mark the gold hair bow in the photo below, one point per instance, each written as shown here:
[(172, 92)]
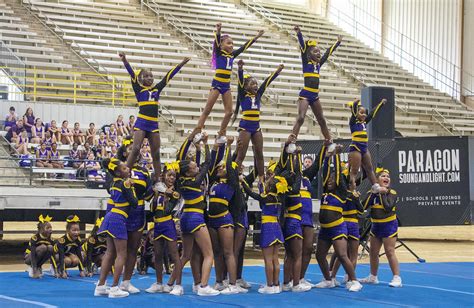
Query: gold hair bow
[(173, 166), (113, 164), (74, 219), (381, 169), (42, 219), (126, 142), (281, 185), (99, 221), (312, 43)]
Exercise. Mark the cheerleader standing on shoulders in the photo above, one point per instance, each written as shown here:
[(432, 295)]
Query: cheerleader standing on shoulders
[(384, 229), (164, 203), (136, 221), (146, 125), (249, 97), (223, 55), (40, 248), (68, 250), (359, 154), (333, 229), (123, 197)]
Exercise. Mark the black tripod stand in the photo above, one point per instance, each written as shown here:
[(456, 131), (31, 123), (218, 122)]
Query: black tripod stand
[(365, 227)]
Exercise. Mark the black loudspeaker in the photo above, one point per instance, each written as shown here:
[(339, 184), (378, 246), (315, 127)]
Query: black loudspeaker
[(382, 125)]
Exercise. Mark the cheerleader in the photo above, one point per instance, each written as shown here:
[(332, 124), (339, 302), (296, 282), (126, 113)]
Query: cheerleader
[(271, 236), (123, 198), (333, 230), (192, 222), (136, 216), (384, 228), (358, 150), (37, 131), (91, 135), (164, 204), (94, 249), (66, 134), (249, 97), (78, 135), (292, 231), (223, 55), (121, 127), (40, 248), (146, 125), (146, 255), (55, 159), (309, 95), (67, 249)]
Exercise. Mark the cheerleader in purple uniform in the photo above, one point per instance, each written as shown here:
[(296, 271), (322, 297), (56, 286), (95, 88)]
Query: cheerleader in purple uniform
[(333, 230), (271, 236), (42, 157), (136, 216), (164, 204), (148, 96), (384, 228), (123, 196)]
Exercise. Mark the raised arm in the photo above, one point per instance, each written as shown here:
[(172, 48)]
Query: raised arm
[(247, 45), (300, 38), (269, 80), (204, 168), (217, 37), (374, 111), (171, 73), (232, 173), (354, 110), (251, 193), (127, 65), (330, 50)]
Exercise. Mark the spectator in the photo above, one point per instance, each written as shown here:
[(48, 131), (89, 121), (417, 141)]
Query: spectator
[(307, 162), (55, 158), (113, 151), (131, 124), (121, 127), (146, 159), (93, 168), (14, 131), (10, 118), (102, 144), (38, 132), (119, 141), (49, 140), (21, 145), (91, 135), (78, 135), (66, 134), (43, 157), (112, 135), (29, 120), (75, 155), (55, 131)]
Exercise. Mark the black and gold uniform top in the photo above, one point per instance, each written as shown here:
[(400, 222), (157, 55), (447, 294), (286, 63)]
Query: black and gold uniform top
[(65, 246), (293, 205), (142, 183), (382, 206), (190, 188), (94, 246), (35, 241), (352, 208)]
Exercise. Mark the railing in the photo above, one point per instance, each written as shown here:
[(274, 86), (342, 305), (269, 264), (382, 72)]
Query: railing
[(450, 84), (444, 123), (264, 12), (13, 67)]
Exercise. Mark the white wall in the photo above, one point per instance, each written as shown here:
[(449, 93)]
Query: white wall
[(468, 47), (13, 92), (424, 36)]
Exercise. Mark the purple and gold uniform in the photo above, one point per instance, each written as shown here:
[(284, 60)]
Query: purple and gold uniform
[(224, 62), (331, 221), (143, 187), (270, 203), (382, 213), (242, 220), (115, 222), (360, 138), (311, 69), (352, 208), (222, 197), (192, 218), (65, 246), (42, 155), (162, 208), (293, 206), (251, 104), (94, 246), (148, 99)]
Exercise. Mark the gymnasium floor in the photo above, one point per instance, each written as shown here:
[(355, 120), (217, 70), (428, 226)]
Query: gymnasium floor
[(425, 285)]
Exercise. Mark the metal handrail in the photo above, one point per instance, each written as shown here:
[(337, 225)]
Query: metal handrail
[(438, 117), (9, 74), (263, 11), (72, 43)]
